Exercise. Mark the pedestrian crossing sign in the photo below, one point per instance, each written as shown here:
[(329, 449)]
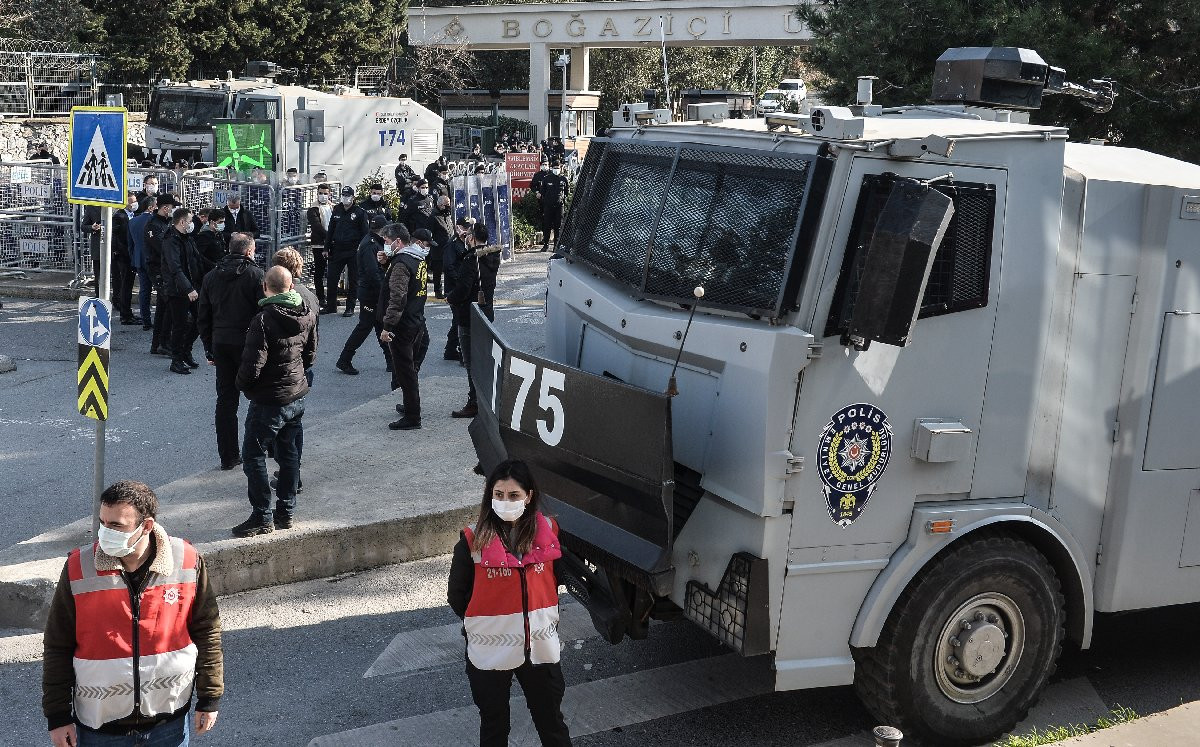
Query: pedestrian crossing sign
[(96, 165)]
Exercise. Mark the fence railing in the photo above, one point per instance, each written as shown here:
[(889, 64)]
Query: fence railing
[(41, 232)]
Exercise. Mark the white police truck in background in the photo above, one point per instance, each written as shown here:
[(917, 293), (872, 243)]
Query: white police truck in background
[(361, 133), (934, 412)]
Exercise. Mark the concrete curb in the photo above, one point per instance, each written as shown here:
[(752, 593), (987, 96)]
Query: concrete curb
[(39, 292), (330, 552)]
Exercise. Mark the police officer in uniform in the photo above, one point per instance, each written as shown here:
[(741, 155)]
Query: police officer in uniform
[(552, 192), (347, 226), (156, 230), (375, 205)]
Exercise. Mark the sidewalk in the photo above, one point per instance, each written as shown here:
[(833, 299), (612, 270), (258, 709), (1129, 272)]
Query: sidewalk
[(372, 497), (1176, 727)]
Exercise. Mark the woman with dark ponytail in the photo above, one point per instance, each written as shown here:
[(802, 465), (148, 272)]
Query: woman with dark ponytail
[(502, 585)]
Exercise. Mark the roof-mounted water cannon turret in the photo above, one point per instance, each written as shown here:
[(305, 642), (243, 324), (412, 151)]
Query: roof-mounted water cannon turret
[(1009, 78)]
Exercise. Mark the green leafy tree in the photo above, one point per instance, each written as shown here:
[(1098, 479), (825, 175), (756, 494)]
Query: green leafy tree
[(1150, 48)]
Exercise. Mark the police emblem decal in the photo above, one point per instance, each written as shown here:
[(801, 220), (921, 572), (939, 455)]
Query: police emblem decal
[(171, 596), (855, 448)]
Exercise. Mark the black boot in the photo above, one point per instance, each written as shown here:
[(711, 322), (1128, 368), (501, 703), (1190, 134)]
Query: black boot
[(179, 367)]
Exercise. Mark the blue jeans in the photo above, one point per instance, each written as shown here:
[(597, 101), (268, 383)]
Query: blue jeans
[(144, 290), (174, 733), (278, 426)]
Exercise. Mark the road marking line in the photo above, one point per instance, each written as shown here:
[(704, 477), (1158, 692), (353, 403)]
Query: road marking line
[(590, 708), (441, 645)]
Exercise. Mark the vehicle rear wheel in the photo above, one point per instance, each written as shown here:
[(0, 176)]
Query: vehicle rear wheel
[(969, 645)]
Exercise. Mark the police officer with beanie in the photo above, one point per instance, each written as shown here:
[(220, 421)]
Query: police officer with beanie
[(156, 589), (552, 192), (505, 562)]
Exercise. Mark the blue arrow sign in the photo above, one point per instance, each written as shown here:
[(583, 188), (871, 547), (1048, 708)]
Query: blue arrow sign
[(95, 322), (96, 162)]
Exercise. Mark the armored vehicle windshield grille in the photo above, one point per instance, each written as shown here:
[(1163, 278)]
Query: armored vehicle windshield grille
[(961, 268), (665, 218)]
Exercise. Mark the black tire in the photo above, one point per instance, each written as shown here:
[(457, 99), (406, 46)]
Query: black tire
[(897, 680)]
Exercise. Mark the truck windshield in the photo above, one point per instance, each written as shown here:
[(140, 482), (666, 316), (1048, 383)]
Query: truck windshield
[(665, 218), (789, 86), (254, 108), (772, 96), (186, 111)]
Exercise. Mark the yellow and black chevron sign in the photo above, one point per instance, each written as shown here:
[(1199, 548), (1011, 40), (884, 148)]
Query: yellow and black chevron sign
[(93, 382)]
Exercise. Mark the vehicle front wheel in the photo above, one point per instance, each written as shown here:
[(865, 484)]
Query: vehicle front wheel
[(969, 645)]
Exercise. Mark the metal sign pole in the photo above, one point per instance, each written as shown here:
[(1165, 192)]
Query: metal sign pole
[(103, 291)]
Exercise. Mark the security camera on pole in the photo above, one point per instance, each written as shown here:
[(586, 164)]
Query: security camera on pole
[(96, 175)]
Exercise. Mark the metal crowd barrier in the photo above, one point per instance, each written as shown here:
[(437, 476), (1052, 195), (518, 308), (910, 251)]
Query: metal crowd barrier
[(41, 232)]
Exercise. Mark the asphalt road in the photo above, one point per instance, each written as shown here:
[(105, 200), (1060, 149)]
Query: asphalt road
[(297, 657), (160, 426)]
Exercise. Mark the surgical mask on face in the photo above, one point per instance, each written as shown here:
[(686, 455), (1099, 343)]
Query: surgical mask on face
[(423, 192), (508, 510), (188, 228), (151, 188), (323, 199), (545, 167), (293, 180), (133, 206), (347, 201), (218, 227), (116, 543), (376, 198), (554, 171)]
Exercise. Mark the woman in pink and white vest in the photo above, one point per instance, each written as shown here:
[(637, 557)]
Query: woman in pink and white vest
[(502, 584)]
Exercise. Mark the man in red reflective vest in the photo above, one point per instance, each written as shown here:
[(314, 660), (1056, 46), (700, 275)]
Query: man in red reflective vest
[(133, 630)]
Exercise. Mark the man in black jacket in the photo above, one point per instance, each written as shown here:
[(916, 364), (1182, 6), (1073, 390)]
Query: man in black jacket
[(90, 225), (404, 172), (402, 309), (181, 275), (156, 229), (122, 263), (441, 226), (370, 283), (318, 225), (376, 205), (418, 207), (211, 243), (238, 218), (464, 292), (452, 253), (280, 344), (347, 227), (228, 301)]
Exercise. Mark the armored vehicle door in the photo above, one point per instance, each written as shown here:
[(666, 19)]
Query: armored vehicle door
[(882, 427), (898, 421)]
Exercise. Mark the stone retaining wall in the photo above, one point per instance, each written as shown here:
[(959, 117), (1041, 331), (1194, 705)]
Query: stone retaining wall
[(16, 136)]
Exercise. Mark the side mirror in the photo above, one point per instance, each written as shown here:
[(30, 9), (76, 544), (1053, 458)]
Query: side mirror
[(900, 254)]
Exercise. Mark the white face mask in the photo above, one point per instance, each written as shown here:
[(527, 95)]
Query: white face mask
[(188, 228), (545, 167), (376, 198), (293, 180), (508, 510), (151, 188), (423, 191), (347, 201), (322, 199), (218, 227), (133, 206), (553, 171), (116, 543)]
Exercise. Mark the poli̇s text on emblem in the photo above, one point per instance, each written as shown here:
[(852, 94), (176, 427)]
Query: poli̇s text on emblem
[(855, 448)]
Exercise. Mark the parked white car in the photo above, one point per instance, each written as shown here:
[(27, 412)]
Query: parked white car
[(772, 101)]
